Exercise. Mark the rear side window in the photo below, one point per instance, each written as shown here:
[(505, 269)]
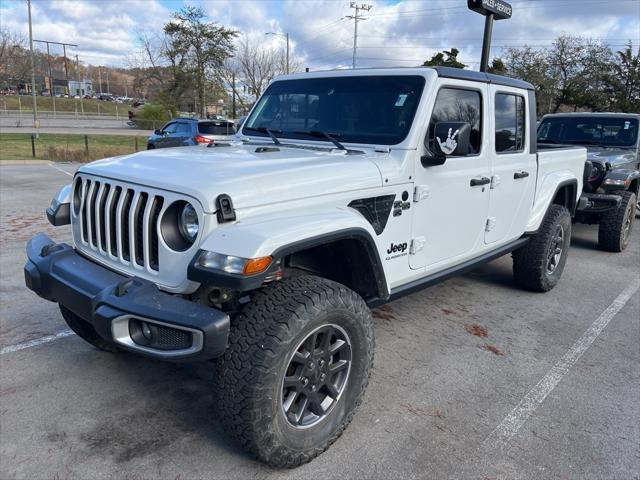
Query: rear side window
[(216, 128), (458, 105), (509, 123)]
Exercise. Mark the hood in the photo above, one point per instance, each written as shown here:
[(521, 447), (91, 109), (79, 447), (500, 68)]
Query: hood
[(612, 155), (250, 177)]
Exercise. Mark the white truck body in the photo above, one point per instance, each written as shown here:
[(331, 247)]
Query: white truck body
[(293, 194)]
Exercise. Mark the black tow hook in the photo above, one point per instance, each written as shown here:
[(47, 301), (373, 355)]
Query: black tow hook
[(123, 287)]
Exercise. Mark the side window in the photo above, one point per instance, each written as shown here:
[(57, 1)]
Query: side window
[(171, 128), (458, 105), (509, 123), (183, 128)]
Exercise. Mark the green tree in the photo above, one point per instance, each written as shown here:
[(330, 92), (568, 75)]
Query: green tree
[(623, 81), (196, 50), (497, 67), (439, 60)]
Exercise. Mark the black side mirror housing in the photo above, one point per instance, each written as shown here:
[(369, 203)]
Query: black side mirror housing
[(157, 132), (449, 139)]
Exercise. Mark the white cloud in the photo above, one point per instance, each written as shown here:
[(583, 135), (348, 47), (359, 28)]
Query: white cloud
[(395, 33)]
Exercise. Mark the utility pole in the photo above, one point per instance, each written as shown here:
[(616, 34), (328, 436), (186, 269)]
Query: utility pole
[(356, 18), (33, 74), (66, 67), (233, 96), (80, 89), (100, 78)]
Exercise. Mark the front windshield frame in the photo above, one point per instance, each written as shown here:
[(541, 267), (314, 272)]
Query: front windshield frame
[(303, 105), (601, 131)]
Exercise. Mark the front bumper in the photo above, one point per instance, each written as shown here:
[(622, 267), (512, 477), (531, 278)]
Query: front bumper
[(598, 202), (117, 306)]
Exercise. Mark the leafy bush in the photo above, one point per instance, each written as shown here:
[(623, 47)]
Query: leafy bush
[(152, 116)]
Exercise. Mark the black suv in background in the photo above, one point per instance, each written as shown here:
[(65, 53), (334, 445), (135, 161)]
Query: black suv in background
[(612, 173), (181, 132)]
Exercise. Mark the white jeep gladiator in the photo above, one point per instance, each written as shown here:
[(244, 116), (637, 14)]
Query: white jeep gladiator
[(344, 190)]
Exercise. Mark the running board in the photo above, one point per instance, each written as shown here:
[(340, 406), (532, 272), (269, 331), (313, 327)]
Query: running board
[(443, 275)]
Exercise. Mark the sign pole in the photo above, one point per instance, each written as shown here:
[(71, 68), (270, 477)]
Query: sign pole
[(492, 10), (486, 42)]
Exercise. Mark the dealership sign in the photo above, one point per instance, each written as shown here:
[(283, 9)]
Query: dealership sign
[(499, 9)]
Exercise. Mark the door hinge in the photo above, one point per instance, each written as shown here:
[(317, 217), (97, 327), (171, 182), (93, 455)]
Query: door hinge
[(420, 193), (491, 223), (495, 181), (417, 244)]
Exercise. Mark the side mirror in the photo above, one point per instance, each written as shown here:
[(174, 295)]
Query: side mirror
[(157, 132), (449, 139)]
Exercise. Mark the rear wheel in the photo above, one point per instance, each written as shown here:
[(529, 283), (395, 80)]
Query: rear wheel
[(539, 264), (616, 225), (297, 365), (86, 331)]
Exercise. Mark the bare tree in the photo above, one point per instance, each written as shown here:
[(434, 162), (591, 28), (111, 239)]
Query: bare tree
[(14, 58)]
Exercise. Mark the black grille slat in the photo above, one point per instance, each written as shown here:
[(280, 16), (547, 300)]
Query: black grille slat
[(156, 207), (138, 220), (83, 210), (103, 216), (124, 226), (92, 213), (113, 238)]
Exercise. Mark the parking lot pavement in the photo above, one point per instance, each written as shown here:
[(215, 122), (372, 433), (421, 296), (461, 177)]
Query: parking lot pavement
[(473, 378)]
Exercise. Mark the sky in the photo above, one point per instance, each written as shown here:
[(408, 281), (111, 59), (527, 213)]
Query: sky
[(403, 33)]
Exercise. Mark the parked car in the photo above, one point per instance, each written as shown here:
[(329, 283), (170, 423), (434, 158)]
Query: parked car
[(612, 179), (181, 132), (267, 253)]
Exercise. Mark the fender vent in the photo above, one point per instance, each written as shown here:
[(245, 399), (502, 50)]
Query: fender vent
[(375, 209)]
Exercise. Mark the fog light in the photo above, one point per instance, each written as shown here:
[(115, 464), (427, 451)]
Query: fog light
[(146, 331)]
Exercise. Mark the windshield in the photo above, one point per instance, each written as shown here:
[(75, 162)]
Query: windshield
[(372, 110), (609, 131)]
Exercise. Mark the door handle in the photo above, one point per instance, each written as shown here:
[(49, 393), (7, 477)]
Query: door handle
[(519, 175), (476, 182)]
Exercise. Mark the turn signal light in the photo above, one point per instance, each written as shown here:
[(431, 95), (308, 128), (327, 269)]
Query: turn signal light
[(256, 265)]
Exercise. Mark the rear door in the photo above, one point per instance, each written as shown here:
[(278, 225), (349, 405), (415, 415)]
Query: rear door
[(183, 135), (513, 166), (449, 210)]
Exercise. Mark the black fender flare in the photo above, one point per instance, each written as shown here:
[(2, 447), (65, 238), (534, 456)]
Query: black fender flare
[(246, 283), (625, 175), (573, 200)]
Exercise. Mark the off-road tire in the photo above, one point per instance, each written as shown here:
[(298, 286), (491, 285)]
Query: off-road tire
[(614, 223), (531, 262), (86, 331), (262, 340)]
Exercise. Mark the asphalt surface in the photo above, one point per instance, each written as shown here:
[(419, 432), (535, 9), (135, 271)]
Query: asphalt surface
[(537, 397)]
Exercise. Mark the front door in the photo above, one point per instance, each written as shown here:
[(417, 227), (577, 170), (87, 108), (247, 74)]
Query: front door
[(513, 166), (452, 199)]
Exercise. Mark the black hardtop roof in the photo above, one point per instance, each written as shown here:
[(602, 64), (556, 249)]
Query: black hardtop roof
[(460, 74)]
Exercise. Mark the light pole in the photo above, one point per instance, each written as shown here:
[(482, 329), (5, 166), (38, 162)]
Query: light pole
[(33, 74), (286, 37)]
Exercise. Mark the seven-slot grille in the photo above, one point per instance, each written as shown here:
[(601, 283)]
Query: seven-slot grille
[(120, 222)]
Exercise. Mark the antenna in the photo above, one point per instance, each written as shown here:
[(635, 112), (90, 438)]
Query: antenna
[(491, 9)]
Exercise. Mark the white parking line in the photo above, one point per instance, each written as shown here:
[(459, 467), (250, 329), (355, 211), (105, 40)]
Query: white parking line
[(35, 343), (532, 400), (59, 169)]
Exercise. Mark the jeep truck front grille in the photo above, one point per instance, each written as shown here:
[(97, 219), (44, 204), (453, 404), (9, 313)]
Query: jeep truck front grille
[(119, 221)]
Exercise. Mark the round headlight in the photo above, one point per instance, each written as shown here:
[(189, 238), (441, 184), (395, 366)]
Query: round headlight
[(188, 223)]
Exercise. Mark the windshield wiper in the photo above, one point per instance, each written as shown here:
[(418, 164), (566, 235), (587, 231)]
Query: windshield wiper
[(268, 131), (319, 134)]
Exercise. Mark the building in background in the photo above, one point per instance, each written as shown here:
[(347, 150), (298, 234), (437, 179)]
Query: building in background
[(84, 87)]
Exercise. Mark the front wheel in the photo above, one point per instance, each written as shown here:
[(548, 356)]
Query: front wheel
[(615, 227), (539, 264), (296, 369)]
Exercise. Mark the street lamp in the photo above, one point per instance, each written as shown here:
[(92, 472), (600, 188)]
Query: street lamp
[(285, 36)]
